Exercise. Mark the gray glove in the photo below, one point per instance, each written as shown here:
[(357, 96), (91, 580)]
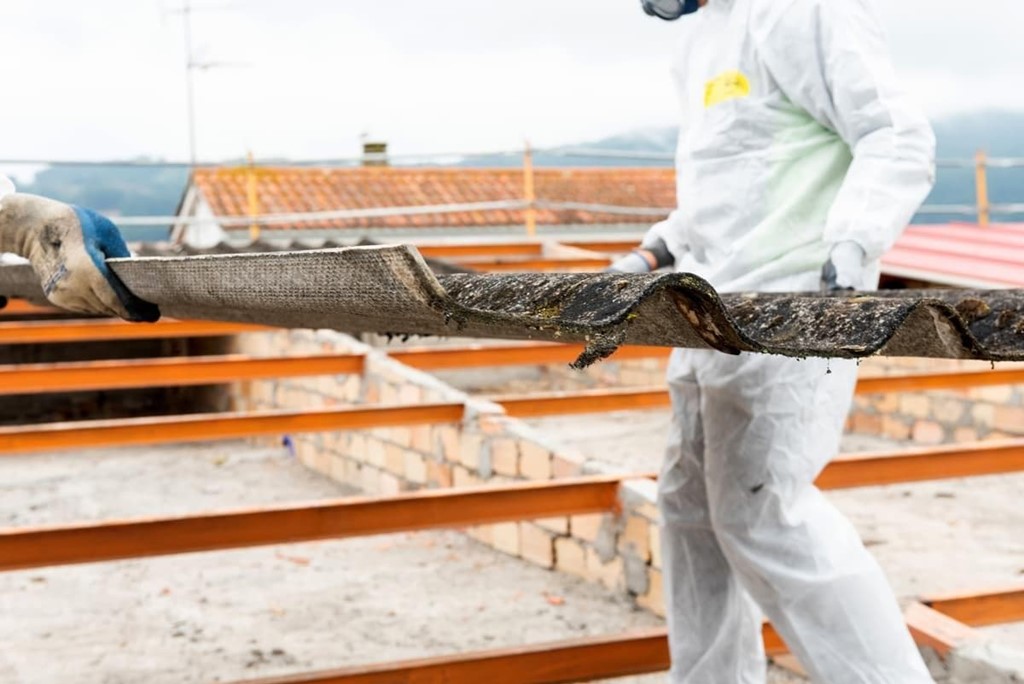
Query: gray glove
[(844, 269), (644, 260), (68, 247)]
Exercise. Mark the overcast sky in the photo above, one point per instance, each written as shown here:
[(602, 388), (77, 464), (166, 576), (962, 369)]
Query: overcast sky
[(304, 78)]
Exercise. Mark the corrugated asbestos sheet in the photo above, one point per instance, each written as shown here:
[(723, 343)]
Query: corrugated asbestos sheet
[(392, 290)]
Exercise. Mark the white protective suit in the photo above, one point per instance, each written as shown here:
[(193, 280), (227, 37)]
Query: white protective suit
[(795, 136)]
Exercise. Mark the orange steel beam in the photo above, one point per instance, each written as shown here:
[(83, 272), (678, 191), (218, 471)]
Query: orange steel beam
[(982, 608), (18, 307), (586, 401), (461, 251), (940, 381), (440, 358), (22, 548), (527, 265), (166, 372), (560, 662), (585, 659), (611, 246), (43, 332), (214, 426), (595, 401), (931, 628), (915, 465), (578, 660)]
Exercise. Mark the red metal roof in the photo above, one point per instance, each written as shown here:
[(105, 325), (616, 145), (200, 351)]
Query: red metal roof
[(960, 254)]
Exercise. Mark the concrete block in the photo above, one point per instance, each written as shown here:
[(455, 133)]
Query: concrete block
[(337, 467), (394, 459), (962, 435), (415, 468), (534, 461), (422, 439), (983, 415), (469, 450), (997, 394), (895, 427), (609, 573), (886, 403), (558, 526), (948, 410), (505, 456), (463, 477), (570, 557), (928, 432), (402, 436), (482, 533), (506, 537), (537, 545), (439, 474), (634, 540), (369, 480), (409, 393), (356, 447), (866, 423), (1009, 419), (448, 439), (388, 393), (375, 450), (916, 405), (585, 527), (389, 485), (563, 465), (654, 599)]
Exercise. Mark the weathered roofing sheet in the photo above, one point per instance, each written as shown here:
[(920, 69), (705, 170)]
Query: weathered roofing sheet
[(391, 290)]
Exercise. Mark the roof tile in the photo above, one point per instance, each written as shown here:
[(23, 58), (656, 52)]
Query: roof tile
[(294, 190)]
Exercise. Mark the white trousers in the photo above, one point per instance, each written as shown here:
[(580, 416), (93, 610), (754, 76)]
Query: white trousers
[(743, 520)]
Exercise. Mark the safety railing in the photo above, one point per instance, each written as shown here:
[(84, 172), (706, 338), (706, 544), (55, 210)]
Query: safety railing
[(982, 210)]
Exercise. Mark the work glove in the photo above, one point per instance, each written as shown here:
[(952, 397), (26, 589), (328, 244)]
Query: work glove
[(844, 269), (644, 260), (68, 247)]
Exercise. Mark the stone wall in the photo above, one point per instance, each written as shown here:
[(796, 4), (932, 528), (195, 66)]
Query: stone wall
[(938, 416)]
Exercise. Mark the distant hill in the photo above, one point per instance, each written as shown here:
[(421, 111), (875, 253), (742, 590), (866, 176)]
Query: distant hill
[(116, 191), (135, 191)]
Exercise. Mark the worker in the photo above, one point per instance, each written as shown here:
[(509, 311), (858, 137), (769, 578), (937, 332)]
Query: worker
[(67, 247), (800, 160)]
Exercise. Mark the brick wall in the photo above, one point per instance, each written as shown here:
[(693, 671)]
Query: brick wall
[(616, 550), (938, 416)]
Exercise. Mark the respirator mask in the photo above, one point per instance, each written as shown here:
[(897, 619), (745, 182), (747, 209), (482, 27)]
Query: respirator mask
[(670, 10)]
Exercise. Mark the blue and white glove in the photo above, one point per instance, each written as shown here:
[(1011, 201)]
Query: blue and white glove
[(844, 269), (68, 247), (644, 260)]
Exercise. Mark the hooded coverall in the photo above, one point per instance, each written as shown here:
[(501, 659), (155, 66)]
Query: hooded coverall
[(795, 136)]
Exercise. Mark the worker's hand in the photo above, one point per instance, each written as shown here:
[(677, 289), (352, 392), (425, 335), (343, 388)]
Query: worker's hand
[(68, 247), (649, 258), (844, 269)]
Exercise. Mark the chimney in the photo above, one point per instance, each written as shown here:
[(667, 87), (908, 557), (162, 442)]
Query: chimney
[(375, 154)]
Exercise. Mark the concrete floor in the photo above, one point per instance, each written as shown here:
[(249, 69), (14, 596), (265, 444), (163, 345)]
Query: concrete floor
[(240, 614), (231, 615)]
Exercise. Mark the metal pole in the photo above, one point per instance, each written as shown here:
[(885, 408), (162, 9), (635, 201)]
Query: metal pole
[(981, 188), (252, 199), (186, 16), (529, 192)]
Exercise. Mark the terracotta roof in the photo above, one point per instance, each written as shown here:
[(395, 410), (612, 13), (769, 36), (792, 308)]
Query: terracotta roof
[(290, 190)]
